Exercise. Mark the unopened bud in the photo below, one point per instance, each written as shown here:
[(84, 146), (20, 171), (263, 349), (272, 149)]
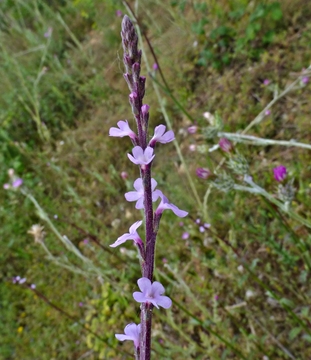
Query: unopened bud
[(225, 145), (203, 173)]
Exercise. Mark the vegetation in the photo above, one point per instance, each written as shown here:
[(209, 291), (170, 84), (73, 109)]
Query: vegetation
[(241, 287)]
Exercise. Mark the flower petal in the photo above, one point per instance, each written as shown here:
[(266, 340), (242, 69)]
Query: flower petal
[(144, 284), (164, 301), (157, 288), (139, 297), (132, 196), (135, 226)]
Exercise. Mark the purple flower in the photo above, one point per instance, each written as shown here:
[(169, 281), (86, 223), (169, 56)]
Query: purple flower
[(119, 13), (6, 186), (225, 145), (203, 173), (279, 173), (152, 293), (192, 129), (144, 109), (161, 136), (81, 304), (33, 286), (22, 281), (132, 235), (185, 235), (124, 130), (192, 147), (17, 183), (131, 332), (198, 221), (266, 82), (138, 195), (202, 229), (267, 112), (305, 80), (124, 175), (140, 156), (155, 66), (207, 226), (165, 204)]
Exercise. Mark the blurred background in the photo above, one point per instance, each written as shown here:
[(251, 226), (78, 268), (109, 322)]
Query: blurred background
[(237, 268)]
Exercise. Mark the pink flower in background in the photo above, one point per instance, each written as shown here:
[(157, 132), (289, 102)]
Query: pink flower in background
[(225, 145), (203, 173), (280, 173), (119, 13), (266, 82), (6, 186), (267, 112), (131, 332), (132, 235), (192, 147), (17, 183), (155, 66), (305, 80), (124, 175), (124, 130), (192, 129), (138, 195), (185, 235), (161, 136), (152, 293), (140, 156)]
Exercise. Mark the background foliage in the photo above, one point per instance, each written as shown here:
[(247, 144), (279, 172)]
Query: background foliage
[(241, 290)]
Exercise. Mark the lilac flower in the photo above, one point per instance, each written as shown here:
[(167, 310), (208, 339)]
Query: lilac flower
[(33, 286), (138, 195), (144, 109), (192, 129), (17, 183), (124, 130), (131, 332), (279, 173), (225, 145), (305, 80), (207, 226), (124, 175), (6, 186), (192, 147), (185, 235), (155, 66), (161, 136), (165, 204), (266, 82), (119, 13), (22, 281), (202, 229), (132, 235), (81, 304), (140, 156), (198, 221), (267, 112), (152, 293), (203, 173)]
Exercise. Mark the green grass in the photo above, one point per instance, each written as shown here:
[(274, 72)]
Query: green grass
[(54, 134)]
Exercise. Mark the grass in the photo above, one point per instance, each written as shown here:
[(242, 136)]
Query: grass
[(241, 289)]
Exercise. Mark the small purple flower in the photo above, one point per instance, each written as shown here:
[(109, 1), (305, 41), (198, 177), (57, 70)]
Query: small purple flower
[(85, 241), (161, 136), (22, 281), (151, 293), (267, 112), (185, 235), (6, 186), (165, 204), (131, 332), (17, 183), (266, 82), (140, 156), (202, 229), (145, 109), (119, 13), (48, 33), (138, 195), (305, 80), (81, 304), (124, 175), (124, 130), (203, 173), (225, 145), (33, 286), (132, 235), (207, 226), (155, 66), (192, 129), (198, 221), (192, 147), (279, 173)]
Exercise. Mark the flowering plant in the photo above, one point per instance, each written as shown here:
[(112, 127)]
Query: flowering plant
[(143, 155)]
